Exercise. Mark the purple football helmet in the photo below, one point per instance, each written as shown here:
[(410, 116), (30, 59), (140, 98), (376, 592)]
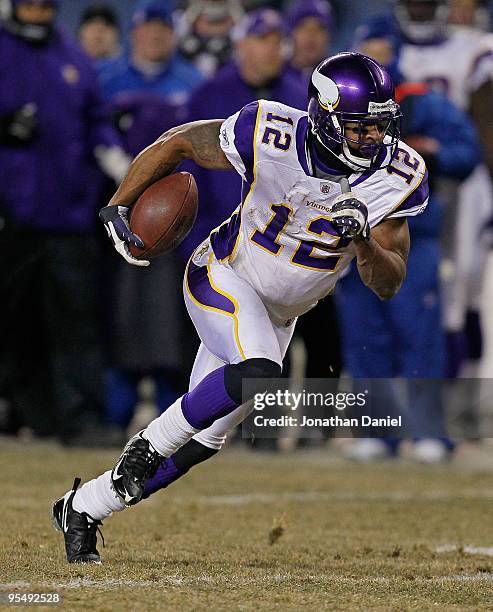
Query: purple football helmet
[(353, 88)]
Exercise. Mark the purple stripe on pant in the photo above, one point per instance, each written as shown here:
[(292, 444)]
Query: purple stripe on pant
[(201, 289)]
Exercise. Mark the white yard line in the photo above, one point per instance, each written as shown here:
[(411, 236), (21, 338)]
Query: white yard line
[(191, 581), (316, 496), (465, 578), (470, 550)]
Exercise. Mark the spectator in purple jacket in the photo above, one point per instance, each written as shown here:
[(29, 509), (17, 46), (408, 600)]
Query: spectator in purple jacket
[(147, 313), (52, 133), (146, 91)]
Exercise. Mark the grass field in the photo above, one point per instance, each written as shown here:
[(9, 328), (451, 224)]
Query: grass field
[(255, 531)]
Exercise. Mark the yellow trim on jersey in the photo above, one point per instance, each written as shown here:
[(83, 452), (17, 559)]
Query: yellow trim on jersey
[(336, 267), (252, 186), (408, 194), (213, 308)]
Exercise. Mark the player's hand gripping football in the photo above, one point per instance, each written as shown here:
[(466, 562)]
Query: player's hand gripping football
[(115, 219), (350, 215)]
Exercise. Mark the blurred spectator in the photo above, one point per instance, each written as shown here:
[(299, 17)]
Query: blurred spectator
[(458, 62), (204, 30), (404, 337), (52, 129), (257, 71), (251, 5), (145, 92), (141, 117), (152, 64), (310, 23), (148, 317), (99, 34), (473, 13)]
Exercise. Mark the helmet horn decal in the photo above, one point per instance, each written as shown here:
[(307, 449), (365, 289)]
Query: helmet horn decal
[(328, 92), (353, 91)]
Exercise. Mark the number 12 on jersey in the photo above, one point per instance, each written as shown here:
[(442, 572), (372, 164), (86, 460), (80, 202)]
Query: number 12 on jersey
[(274, 136), (303, 256)]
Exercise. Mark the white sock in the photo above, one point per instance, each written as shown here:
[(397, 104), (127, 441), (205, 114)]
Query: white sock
[(97, 498), (170, 431)]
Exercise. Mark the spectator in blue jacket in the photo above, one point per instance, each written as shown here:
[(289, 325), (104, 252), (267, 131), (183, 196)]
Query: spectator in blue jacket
[(99, 34), (52, 131), (404, 337), (152, 64)]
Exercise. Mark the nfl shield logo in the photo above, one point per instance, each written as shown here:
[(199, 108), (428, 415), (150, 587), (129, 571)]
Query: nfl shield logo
[(325, 188)]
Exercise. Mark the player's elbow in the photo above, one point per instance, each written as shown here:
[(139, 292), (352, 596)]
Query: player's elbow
[(172, 141), (386, 293), (389, 289), (393, 281)]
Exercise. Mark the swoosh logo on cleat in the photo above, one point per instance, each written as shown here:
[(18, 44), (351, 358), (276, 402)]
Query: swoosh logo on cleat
[(115, 475), (64, 516)]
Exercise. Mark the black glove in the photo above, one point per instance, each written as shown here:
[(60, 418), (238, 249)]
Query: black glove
[(115, 219), (20, 127)]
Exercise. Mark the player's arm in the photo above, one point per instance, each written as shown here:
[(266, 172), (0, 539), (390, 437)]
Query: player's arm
[(381, 255), (382, 260), (198, 141)]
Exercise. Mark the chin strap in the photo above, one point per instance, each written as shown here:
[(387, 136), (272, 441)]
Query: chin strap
[(345, 157), (353, 161), (348, 159)]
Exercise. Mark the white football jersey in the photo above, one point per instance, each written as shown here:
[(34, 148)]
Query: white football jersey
[(458, 66), (455, 66), (482, 67), (280, 239)]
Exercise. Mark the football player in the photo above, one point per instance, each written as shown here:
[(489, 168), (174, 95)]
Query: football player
[(320, 188)]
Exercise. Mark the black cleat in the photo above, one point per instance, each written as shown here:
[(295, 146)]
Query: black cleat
[(78, 528), (138, 462)]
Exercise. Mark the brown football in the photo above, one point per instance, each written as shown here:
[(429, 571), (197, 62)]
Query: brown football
[(164, 214)]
